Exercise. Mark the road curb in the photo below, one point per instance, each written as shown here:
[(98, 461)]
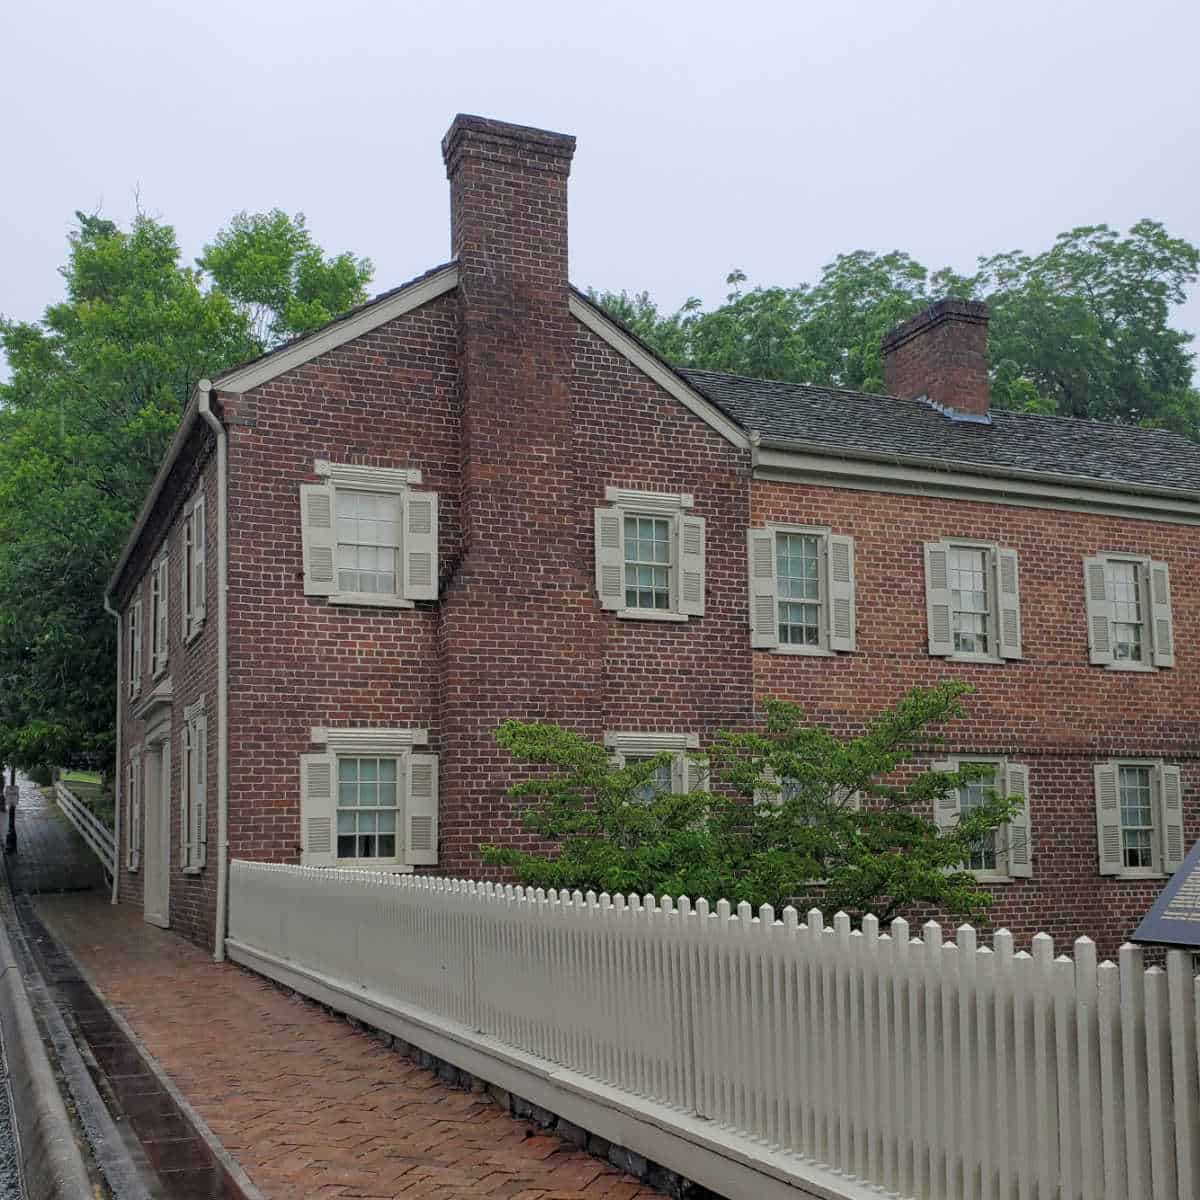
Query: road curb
[(52, 1166)]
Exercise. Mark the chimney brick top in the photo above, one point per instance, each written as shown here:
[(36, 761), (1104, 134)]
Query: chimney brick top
[(940, 355), (533, 148)]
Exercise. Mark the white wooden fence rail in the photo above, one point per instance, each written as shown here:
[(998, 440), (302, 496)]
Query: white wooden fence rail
[(930, 1069), (93, 831)]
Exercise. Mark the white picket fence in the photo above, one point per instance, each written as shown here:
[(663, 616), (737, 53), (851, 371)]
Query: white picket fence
[(93, 831), (925, 1068)]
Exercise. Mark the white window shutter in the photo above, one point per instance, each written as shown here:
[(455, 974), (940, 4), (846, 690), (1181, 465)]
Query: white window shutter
[(199, 590), (1171, 796), (187, 792), (199, 813), (135, 815), (610, 556), (317, 810), (420, 545), (839, 550), (130, 792), (421, 810), (1108, 818), (937, 598), (185, 582), (1160, 611), (854, 801), (697, 773), (691, 564), (1099, 612), (772, 796), (764, 605), (318, 539), (1019, 829), (164, 612), (1008, 603), (945, 807)]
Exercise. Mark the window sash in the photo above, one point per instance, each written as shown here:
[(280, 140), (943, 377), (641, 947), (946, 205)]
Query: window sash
[(1125, 584), (1136, 797), (367, 807), (649, 572), (801, 595), (368, 541), (971, 579)]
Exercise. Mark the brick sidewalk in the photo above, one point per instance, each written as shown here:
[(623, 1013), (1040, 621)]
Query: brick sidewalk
[(308, 1106)]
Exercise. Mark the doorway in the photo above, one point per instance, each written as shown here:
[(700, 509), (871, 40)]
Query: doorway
[(156, 836)]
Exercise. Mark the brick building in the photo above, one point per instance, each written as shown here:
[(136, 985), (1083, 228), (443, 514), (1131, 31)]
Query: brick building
[(477, 497)]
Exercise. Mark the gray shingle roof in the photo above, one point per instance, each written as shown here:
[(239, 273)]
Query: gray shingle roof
[(857, 423)]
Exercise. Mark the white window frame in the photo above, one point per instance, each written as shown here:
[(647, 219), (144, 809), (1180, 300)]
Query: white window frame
[(400, 482), (995, 875), (630, 743), (992, 578), (193, 600), (669, 506), (400, 744), (1158, 869), (160, 614), (1145, 565), (193, 788)]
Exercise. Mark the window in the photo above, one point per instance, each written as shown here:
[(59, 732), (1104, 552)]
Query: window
[(1006, 851), (973, 601), (368, 804), (134, 640), (650, 556), (193, 590), (159, 614), (1130, 626), (683, 772), (369, 799), (1139, 817), (801, 590), (368, 537), (193, 819)]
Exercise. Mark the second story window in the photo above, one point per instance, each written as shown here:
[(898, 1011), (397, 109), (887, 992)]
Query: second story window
[(134, 640), (647, 562), (368, 536), (801, 590), (160, 614), (194, 577), (1130, 626), (972, 601)]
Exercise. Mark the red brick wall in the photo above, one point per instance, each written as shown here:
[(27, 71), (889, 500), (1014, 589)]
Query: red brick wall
[(192, 670), (1052, 710)]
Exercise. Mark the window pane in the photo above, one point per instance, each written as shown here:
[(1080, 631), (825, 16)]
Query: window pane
[(387, 845), (1137, 816), (368, 541), (346, 847), (345, 822), (970, 597), (660, 783), (798, 572), (647, 562)]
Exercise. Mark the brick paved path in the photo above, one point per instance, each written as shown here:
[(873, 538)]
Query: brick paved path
[(51, 856), (307, 1105)]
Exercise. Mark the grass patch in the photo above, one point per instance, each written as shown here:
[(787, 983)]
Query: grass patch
[(87, 787)]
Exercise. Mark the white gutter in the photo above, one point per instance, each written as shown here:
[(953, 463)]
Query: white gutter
[(204, 408), (118, 773)]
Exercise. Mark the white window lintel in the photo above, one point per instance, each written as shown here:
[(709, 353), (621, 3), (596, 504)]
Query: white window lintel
[(347, 740), (378, 479), (652, 743), (649, 502)]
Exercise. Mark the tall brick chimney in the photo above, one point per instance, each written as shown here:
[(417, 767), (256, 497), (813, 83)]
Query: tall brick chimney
[(940, 355)]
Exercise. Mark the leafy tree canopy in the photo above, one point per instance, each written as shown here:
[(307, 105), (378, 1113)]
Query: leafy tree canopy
[(778, 826), (1081, 329), (96, 391)]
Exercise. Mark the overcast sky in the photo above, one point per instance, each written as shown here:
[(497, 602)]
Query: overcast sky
[(765, 136)]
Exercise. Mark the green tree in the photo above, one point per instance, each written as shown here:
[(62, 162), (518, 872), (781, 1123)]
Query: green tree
[(1081, 329), (782, 830), (273, 271), (96, 391)]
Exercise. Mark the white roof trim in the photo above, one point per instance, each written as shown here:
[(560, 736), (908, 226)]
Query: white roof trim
[(242, 379), (666, 379)]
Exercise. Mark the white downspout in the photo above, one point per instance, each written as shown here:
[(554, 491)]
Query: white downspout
[(204, 390), (118, 772)]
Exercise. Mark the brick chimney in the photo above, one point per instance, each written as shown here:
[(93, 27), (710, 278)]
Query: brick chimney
[(940, 355)]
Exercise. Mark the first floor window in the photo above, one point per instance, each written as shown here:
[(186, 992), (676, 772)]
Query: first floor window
[(661, 783), (647, 562), (1137, 817), (368, 805), (798, 574), (974, 795), (681, 772), (1005, 851)]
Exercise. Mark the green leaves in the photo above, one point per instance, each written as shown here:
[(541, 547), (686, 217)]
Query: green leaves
[(785, 827), (1079, 330)]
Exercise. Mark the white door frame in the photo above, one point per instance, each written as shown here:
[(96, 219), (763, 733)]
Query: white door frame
[(156, 832)]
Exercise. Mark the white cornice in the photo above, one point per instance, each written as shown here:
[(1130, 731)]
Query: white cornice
[(623, 344), (242, 379), (962, 481)]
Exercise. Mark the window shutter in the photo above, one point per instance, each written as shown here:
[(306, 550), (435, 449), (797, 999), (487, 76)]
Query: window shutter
[(1008, 606), (1170, 791), (937, 598), (187, 793), (854, 801), (317, 538), (199, 806), (1099, 612), (697, 773), (691, 565), (1108, 818), (421, 810), (1160, 610), (199, 591), (610, 557), (164, 625), (764, 606), (135, 815), (130, 790), (420, 545), (945, 807), (840, 559), (185, 582), (317, 810), (135, 677), (1020, 829)]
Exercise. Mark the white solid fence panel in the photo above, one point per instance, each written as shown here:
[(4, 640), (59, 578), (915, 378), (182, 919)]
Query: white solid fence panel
[(927, 1068)]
